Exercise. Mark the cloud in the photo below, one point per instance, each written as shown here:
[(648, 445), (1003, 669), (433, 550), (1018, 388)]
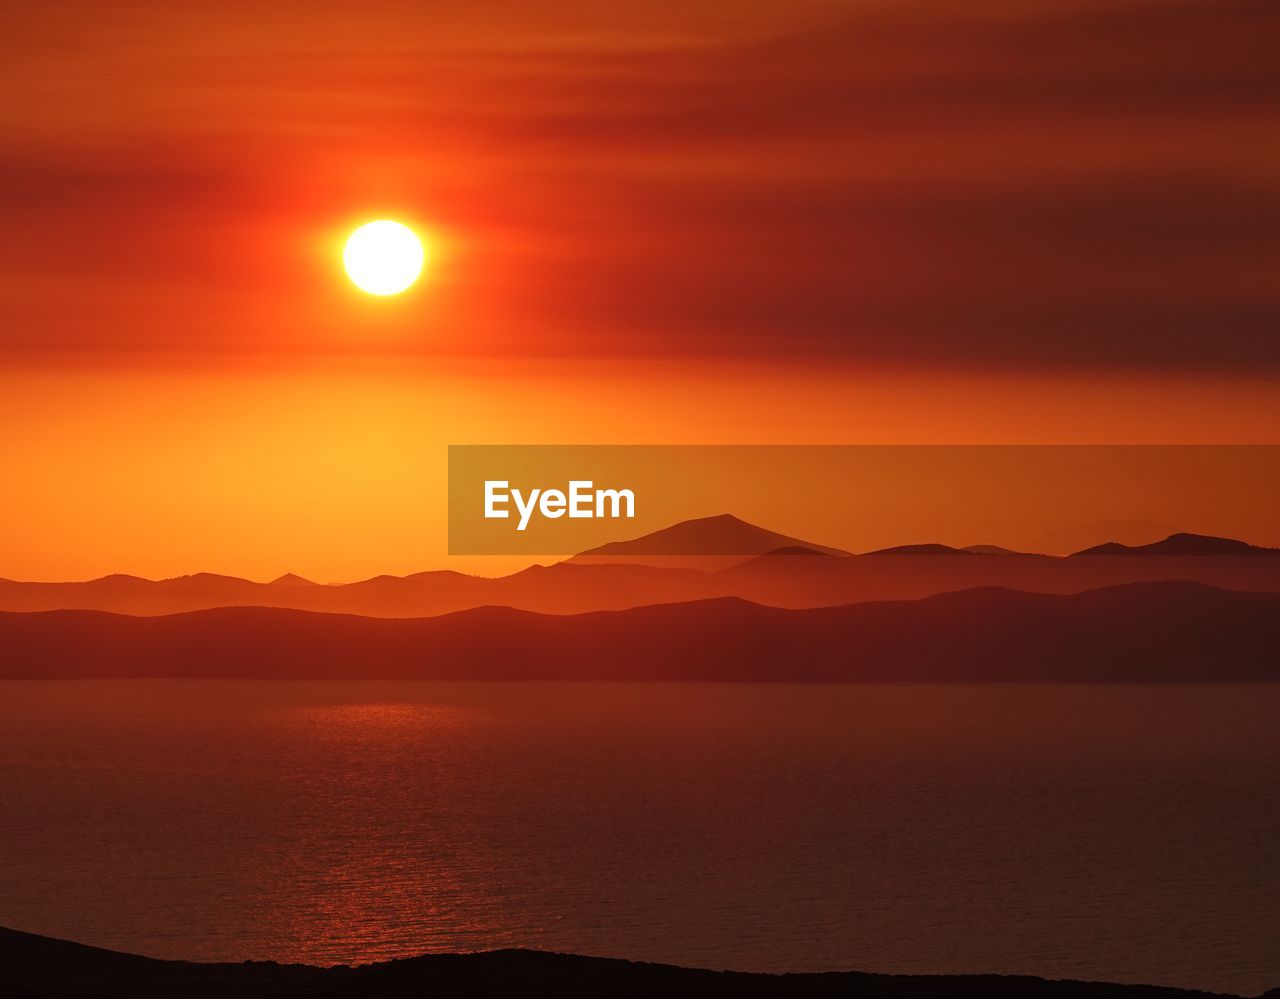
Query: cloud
[(1040, 185)]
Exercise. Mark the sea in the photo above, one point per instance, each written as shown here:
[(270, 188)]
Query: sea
[(1128, 833)]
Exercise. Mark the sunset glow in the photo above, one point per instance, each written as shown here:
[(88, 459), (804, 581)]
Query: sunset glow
[(552, 498), (578, 257)]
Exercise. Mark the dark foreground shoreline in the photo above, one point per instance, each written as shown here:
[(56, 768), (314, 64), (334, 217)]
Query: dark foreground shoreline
[(35, 967)]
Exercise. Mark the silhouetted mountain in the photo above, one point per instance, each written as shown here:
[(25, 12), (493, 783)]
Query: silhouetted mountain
[(558, 589), (575, 587), (1140, 632), (720, 535), (291, 579), (924, 549), (615, 582), (33, 966), (830, 581), (991, 550), (200, 580), (1182, 544)]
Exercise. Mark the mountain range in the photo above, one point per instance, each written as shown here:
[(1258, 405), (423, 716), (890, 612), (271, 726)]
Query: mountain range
[(786, 573), (628, 575), (1139, 632)]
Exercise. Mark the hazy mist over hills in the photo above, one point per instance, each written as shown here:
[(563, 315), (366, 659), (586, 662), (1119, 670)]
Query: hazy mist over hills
[(769, 569)]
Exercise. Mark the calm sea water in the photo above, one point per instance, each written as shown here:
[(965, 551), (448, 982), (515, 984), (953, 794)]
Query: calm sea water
[(1119, 832)]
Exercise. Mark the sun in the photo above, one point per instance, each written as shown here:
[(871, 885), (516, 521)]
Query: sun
[(383, 257)]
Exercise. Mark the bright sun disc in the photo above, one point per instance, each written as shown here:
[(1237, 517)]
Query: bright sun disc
[(383, 257)]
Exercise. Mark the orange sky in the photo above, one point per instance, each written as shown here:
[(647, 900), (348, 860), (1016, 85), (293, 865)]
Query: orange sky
[(748, 221), (337, 472)]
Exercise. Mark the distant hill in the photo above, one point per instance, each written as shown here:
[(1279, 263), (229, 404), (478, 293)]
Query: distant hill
[(924, 549), (1182, 544), (721, 535), (895, 575), (33, 966), (291, 579), (1138, 632), (564, 588)]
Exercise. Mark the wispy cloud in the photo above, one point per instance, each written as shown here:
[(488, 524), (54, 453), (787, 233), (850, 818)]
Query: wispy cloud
[(1053, 184)]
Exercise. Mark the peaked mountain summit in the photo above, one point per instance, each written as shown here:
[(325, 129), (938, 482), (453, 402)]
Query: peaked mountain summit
[(724, 534), (292, 579)]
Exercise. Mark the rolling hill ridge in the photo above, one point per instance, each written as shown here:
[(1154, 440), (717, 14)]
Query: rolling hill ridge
[(1137, 632), (602, 581)]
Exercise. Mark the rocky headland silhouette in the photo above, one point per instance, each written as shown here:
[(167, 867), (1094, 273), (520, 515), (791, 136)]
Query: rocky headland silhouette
[(35, 967)]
